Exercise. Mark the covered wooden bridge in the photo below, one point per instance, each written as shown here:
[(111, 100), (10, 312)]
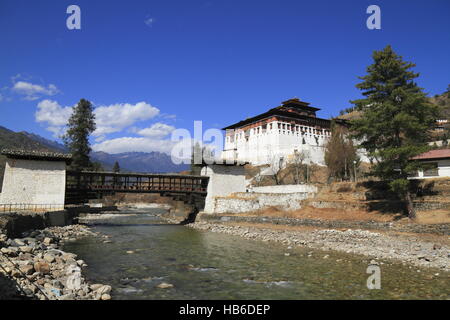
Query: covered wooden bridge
[(85, 185)]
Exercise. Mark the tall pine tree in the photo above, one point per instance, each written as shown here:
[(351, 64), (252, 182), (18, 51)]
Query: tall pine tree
[(396, 121), (116, 167), (81, 124)]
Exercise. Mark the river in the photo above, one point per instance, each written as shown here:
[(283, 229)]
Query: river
[(206, 265)]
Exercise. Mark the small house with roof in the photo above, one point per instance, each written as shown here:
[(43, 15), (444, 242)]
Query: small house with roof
[(34, 180)]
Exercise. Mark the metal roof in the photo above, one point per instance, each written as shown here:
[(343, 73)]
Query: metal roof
[(434, 154)]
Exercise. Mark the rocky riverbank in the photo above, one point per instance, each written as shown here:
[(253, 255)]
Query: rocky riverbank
[(40, 270), (410, 250)]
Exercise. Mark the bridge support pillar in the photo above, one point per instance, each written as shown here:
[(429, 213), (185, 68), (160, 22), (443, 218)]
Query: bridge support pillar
[(223, 181)]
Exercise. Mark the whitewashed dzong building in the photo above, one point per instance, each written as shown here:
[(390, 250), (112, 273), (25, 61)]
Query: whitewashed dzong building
[(279, 132)]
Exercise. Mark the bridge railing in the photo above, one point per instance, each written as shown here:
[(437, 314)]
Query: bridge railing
[(108, 181)]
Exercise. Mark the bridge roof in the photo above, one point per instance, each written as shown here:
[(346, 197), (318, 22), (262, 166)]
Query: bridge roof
[(36, 155)]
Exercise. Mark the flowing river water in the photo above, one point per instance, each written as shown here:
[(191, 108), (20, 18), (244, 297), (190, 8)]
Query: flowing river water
[(207, 265)]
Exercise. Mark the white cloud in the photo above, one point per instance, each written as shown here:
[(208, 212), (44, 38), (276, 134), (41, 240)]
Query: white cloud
[(158, 129), (109, 119), (132, 144), (116, 117), (54, 115), (1, 97), (34, 91)]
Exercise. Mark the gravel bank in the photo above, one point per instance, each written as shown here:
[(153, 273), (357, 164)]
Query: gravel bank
[(40, 270), (406, 249)]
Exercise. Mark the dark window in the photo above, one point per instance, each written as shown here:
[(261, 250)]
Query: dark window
[(432, 171)]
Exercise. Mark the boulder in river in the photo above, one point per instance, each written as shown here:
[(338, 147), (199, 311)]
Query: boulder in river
[(164, 285)]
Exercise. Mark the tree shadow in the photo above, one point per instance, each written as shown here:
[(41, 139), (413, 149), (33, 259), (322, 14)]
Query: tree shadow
[(191, 216), (9, 290), (382, 199)]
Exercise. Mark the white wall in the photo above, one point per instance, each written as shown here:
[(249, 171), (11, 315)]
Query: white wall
[(276, 142), (293, 188), (34, 182)]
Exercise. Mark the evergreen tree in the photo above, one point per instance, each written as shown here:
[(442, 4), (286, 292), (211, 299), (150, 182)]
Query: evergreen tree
[(81, 124), (116, 167), (396, 121)]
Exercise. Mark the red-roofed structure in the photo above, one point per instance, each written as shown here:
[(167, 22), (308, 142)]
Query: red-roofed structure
[(434, 154), (440, 159)]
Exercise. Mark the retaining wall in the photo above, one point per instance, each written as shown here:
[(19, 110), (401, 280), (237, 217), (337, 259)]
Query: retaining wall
[(252, 201), (293, 188)]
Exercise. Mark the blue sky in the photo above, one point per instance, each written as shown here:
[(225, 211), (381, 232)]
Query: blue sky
[(152, 66)]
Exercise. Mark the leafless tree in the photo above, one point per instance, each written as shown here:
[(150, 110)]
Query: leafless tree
[(299, 163), (276, 165)]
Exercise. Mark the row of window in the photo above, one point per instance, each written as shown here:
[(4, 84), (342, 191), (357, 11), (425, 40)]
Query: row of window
[(432, 171), (286, 127)]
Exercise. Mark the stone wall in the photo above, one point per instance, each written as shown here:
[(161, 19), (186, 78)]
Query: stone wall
[(14, 224), (247, 202), (34, 182)]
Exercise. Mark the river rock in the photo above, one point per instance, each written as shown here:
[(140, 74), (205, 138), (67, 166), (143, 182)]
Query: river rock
[(11, 251), (26, 249), (49, 258), (81, 263), (7, 270), (57, 284), (42, 267), (69, 257), (164, 285), (96, 286), (31, 288), (18, 243), (69, 296), (27, 269), (15, 273), (106, 297), (73, 269), (104, 290), (74, 281)]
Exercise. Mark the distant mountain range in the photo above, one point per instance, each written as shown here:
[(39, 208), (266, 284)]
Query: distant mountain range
[(149, 162)]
